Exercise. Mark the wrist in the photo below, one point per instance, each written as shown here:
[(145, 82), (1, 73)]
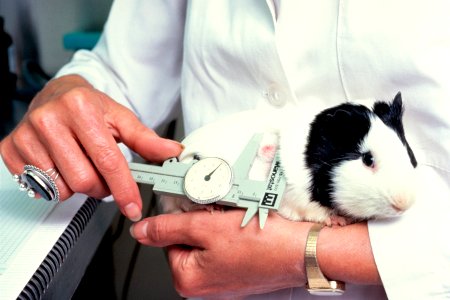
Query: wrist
[(345, 254)]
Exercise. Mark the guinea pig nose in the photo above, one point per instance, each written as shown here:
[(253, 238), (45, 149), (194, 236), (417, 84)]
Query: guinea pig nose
[(401, 203), (397, 209)]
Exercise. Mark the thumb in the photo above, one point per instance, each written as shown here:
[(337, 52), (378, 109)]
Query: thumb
[(142, 139), (165, 230)]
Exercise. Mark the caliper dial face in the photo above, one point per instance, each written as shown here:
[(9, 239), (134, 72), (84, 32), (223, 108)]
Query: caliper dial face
[(208, 180)]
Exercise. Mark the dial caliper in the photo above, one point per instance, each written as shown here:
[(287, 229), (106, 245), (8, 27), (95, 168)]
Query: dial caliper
[(213, 180)]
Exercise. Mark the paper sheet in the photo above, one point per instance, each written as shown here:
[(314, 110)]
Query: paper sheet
[(18, 216), (28, 230)]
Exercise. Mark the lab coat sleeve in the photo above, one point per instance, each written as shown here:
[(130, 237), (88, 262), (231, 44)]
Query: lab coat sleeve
[(137, 60), (412, 253)]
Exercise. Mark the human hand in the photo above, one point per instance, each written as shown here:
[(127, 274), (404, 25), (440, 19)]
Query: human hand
[(210, 255), (75, 128)]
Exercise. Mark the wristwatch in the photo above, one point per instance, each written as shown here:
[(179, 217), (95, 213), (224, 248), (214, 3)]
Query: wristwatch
[(317, 283)]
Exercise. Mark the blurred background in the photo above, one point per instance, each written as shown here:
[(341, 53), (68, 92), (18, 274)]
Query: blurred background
[(36, 38)]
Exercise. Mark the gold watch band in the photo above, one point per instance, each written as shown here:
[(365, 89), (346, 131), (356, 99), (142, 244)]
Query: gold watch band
[(317, 283)]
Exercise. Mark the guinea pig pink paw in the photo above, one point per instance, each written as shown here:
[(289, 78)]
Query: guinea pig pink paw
[(208, 207), (215, 207), (335, 220), (267, 152)]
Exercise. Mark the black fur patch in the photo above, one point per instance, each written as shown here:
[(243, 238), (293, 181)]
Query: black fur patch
[(391, 114), (335, 136)]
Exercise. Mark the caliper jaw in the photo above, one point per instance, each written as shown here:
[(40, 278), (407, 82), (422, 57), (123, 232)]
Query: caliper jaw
[(265, 195)]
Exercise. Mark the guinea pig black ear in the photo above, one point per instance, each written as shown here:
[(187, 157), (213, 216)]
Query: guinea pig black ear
[(390, 113)]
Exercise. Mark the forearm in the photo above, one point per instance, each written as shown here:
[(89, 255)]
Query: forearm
[(250, 260), (345, 253)]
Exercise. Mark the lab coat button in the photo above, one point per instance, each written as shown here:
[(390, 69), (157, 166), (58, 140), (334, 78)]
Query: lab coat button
[(275, 95)]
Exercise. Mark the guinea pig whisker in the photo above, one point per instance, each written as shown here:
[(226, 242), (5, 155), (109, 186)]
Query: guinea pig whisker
[(348, 156), (325, 163)]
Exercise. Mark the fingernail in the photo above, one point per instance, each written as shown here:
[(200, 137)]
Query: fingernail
[(132, 231), (177, 143), (133, 212), (139, 230)]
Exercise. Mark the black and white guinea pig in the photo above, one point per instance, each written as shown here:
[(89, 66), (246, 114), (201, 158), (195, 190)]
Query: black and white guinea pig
[(342, 164), (355, 164)]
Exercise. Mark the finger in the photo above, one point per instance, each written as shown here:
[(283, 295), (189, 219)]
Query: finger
[(143, 140), (26, 143), (107, 158), (12, 159), (15, 156), (74, 166), (61, 150), (14, 162)]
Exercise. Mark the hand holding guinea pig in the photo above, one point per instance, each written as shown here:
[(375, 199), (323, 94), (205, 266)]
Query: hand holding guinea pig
[(344, 164)]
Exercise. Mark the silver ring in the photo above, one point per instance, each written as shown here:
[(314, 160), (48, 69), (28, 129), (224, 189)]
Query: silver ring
[(34, 180)]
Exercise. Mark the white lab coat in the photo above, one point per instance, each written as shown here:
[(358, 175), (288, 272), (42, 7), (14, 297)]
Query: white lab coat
[(222, 57)]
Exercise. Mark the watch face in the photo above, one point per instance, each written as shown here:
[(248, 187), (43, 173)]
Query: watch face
[(208, 180)]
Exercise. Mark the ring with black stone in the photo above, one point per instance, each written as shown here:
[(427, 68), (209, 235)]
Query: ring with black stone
[(34, 180)]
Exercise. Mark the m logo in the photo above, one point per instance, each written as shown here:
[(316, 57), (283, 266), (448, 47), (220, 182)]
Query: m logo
[(269, 199)]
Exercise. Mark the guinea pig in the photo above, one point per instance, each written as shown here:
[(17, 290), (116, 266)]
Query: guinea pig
[(355, 164), (342, 164)]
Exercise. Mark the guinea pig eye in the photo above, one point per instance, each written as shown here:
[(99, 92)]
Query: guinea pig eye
[(368, 160)]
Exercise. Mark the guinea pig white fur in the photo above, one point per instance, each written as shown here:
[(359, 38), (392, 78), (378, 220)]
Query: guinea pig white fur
[(344, 164)]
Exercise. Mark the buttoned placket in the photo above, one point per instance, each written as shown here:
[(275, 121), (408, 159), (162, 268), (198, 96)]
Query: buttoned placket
[(278, 92)]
